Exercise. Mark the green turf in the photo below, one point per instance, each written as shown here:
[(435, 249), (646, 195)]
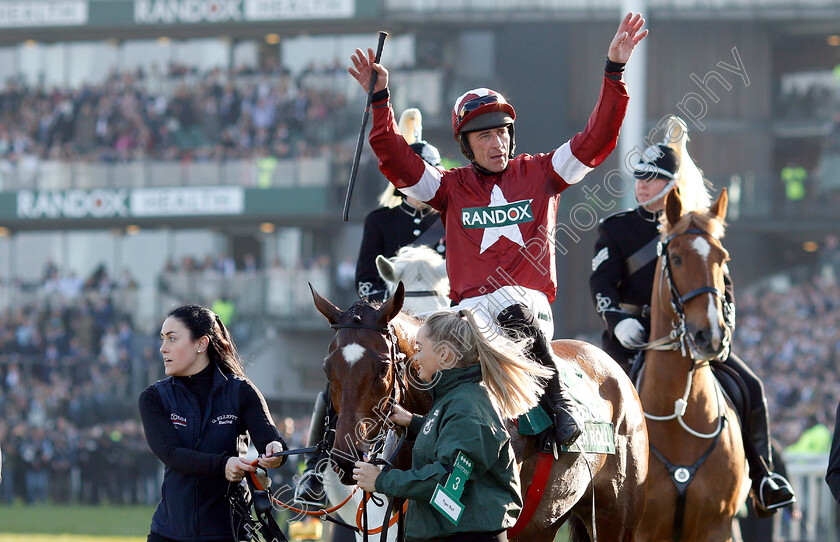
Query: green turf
[(90, 520)]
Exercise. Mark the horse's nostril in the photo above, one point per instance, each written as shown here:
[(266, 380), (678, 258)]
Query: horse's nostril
[(702, 338)]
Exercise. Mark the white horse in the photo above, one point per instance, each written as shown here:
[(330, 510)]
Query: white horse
[(423, 272)]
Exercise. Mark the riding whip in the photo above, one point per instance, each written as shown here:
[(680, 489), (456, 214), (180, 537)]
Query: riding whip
[(360, 142)]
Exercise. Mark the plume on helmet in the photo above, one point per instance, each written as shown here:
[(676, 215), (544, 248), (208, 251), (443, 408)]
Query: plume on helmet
[(411, 125), (694, 189)]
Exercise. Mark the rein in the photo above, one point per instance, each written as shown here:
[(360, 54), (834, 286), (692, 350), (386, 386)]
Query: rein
[(422, 293)]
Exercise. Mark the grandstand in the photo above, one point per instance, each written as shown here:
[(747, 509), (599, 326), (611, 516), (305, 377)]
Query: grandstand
[(153, 153)]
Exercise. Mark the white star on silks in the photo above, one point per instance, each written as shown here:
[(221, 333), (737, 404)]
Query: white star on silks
[(494, 233)]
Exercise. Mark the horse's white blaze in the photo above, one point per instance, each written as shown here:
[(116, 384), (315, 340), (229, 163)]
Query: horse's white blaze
[(713, 321), (352, 353), (702, 247)]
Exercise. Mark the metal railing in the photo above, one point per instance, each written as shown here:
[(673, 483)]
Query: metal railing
[(818, 521), (273, 293), (36, 174)]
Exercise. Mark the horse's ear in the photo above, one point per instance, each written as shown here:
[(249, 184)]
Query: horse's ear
[(385, 268), (392, 307), (673, 206), (325, 307), (718, 208)]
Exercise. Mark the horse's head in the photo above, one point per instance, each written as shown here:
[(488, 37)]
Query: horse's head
[(363, 373), (423, 271), (692, 267)]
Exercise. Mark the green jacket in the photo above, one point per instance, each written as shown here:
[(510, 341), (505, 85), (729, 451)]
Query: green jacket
[(462, 419)]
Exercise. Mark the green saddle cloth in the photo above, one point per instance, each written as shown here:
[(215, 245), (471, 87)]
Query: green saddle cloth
[(598, 435)]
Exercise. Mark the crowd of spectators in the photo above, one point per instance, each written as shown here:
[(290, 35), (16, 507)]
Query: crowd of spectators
[(788, 331), (182, 115), (68, 424)]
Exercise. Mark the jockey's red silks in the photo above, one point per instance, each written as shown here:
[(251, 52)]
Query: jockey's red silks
[(535, 492)]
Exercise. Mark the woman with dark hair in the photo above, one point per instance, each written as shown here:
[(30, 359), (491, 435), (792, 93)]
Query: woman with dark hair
[(195, 422)]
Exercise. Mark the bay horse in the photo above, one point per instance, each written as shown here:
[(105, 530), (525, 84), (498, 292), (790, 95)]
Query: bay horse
[(696, 483), (369, 362)]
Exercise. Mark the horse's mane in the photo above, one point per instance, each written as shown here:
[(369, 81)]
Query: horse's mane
[(424, 264), (700, 219)]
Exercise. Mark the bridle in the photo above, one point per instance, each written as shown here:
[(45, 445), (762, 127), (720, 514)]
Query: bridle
[(680, 339), (398, 362), (380, 442), (263, 501)]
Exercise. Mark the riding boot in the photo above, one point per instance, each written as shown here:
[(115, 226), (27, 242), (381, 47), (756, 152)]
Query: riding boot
[(771, 490), (310, 488), (567, 425)]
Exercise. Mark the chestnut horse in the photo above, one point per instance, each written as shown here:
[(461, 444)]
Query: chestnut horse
[(695, 483), (369, 362)]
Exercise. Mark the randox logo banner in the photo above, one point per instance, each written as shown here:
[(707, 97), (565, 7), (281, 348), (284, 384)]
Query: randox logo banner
[(502, 215), (139, 202), (187, 11), (72, 204)]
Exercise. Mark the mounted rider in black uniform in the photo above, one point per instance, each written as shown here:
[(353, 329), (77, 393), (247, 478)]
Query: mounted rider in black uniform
[(621, 285)]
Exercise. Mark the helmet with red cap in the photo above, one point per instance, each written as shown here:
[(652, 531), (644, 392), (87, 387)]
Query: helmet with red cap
[(481, 109)]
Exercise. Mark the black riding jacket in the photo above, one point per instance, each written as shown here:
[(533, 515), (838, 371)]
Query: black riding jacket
[(386, 231)]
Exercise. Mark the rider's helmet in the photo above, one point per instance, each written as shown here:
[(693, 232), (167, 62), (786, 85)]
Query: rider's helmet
[(481, 109), (671, 161)]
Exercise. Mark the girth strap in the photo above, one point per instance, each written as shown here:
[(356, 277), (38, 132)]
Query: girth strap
[(682, 476)]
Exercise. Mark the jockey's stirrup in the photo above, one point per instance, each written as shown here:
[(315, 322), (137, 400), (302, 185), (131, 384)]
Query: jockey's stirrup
[(774, 492)]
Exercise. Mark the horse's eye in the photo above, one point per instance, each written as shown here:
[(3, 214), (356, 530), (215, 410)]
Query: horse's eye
[(676, 260), (384, 368)]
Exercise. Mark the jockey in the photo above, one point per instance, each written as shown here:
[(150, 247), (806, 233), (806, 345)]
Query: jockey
[(621, 284), (401, 220), (500, 210)]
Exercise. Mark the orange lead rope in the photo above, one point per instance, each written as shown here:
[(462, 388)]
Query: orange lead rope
[(359, 511), (258, 485), (378, 530)]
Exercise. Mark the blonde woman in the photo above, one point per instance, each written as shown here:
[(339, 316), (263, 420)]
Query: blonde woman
[(477, 383)]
